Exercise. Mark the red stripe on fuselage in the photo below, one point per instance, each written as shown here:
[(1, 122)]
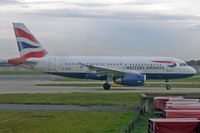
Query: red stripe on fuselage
[(169, 62), (21, 33)]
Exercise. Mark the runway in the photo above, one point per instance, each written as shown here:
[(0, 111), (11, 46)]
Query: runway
[(27, 84)]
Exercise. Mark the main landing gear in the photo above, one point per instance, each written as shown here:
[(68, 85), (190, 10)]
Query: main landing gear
[(168, 87), (106, 86)]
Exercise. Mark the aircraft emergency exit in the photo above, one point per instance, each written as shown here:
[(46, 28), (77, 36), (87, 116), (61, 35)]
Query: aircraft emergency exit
[(128, 71)]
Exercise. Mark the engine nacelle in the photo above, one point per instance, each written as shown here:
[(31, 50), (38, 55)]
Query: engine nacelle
[(132, 80)]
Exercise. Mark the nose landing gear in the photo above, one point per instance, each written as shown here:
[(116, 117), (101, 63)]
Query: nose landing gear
[(168, 87)]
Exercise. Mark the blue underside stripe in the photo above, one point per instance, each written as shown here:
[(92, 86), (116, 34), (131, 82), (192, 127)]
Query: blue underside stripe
[(94, 76)]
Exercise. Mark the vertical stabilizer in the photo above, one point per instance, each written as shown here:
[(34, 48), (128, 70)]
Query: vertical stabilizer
[(28, 45)]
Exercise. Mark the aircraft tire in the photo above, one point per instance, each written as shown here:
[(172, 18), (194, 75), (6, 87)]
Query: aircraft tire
[(168, 87), (106, 86)]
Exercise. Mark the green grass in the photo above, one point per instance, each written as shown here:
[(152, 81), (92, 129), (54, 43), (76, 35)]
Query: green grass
[(63, 121), (141, 125), (21, 73), (83, 99)]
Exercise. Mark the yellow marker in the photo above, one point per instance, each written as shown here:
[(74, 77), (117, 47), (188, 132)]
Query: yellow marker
[(116, 85)]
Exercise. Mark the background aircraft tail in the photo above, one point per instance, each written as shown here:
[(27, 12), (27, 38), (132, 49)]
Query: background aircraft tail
[(28, 45)]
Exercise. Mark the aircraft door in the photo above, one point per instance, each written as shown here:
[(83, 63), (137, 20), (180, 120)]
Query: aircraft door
[(52, 63)]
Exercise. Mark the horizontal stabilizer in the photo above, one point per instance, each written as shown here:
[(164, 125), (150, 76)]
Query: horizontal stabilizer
[(21, 62)]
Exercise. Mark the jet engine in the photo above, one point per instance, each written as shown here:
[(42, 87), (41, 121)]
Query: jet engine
[(132, 80)]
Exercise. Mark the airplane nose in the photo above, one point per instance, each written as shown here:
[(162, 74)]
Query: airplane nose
[(193, 71)]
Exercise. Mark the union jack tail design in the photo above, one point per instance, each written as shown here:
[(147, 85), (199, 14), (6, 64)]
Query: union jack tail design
[(28, 45)]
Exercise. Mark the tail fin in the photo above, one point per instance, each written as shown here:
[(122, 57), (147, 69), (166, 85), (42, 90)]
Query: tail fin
[(28, 45)]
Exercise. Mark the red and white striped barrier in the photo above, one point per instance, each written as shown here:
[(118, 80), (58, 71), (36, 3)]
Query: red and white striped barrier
[(179, 125)]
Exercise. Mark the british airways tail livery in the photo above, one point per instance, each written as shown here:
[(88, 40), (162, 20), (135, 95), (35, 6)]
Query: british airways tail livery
[(129, 71), (27, 44)]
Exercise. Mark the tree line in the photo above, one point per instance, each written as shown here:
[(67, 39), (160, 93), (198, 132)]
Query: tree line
[(193, 62)]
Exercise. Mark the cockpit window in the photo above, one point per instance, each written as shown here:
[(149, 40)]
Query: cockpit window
[(183, 64)]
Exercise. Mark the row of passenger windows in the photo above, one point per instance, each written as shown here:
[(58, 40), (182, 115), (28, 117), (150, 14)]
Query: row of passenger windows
[(114, 64)]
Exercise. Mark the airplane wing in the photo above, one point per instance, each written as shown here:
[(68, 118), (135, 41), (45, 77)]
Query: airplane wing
[(107, 71)]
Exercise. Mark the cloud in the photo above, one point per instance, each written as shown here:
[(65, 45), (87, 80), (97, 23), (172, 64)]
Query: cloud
[(101, 27), (99, 14), (89, 5), (144, 2), (157, 10), (8, 2)]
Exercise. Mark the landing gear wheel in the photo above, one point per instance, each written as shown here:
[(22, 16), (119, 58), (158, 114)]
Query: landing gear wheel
[(106, 86), (168, 87)]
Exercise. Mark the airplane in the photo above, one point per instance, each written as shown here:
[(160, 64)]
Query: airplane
[(122, 70)]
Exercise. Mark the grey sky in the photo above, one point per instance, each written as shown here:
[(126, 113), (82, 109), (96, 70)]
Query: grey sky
[(105, 27)]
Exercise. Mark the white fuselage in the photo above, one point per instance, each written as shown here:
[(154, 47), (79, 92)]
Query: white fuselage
[(152, 67)]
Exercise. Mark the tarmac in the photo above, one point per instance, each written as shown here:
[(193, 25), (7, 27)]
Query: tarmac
[(27, 84), (66, 107), (12, 84)]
